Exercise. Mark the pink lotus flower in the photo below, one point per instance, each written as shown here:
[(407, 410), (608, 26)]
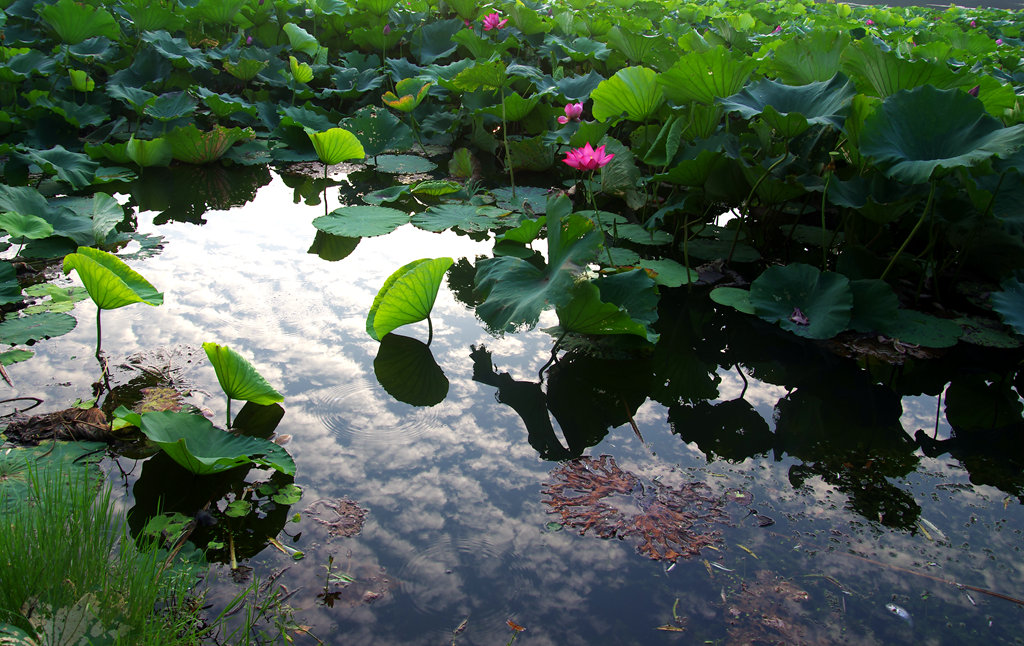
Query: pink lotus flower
[(777, 30), (494, 21), (573, 111), (974, 24), (587, 158), (999, 41), (869, 22)]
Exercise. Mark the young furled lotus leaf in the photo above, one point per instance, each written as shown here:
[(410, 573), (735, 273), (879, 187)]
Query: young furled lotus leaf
[(915, 132), (81, 81), (301, 72), (74, 22), (336, 145), (152, 152), (301, 40), (197, 445), (706, 76), (244, 69), (110, 282), (238, 378), (633, 92), (804, 300), (194, 146), (407, 296), (408, 94), (482, 76)]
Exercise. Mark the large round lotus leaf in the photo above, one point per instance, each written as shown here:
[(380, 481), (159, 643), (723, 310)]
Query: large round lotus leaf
[(820, 103), (404, 164), (407, 370), (633, 92), (1010, 304), (918, 328), (361, 221), (874, 304), (800, 298), (986, 333), (639, 235), (36, 327), (407, 296), (914, 132)]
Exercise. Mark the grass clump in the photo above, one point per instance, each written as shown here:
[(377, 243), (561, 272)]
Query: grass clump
[(71, 572)]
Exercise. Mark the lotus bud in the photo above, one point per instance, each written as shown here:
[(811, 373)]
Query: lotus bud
[(387, 29), (974, 91)]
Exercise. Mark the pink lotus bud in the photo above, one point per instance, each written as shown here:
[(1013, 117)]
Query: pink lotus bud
[(974, 90), (999, 41), (573, 112), (974, 24), (777, 30), (387, 29), (869, 22)]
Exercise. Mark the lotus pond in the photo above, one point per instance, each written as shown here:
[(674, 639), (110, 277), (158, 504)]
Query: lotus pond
[(314, 280)]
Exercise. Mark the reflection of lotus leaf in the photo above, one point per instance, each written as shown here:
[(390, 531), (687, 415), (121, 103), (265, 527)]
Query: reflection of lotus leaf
[(670, 523), (342, 517)]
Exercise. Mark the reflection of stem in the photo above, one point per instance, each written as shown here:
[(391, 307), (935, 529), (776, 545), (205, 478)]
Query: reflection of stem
[(920, 221), (632, 422), (99, 351), (430, 330), (743, 377), (229, 412), (231, 551)]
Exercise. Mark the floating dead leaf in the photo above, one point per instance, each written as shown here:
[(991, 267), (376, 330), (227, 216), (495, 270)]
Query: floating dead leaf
[(342, 517), (769, 610), (71, 424), (159, 398), (363, 586), (595, 494)]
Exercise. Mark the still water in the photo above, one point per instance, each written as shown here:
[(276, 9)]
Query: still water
[(823, 520)]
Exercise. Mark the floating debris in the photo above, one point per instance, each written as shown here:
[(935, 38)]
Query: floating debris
[(900, 612), (70, 424), (769, 610), (346, 520), (595, 494), (721, 567)]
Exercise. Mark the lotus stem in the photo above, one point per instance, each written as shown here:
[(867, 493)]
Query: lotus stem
[(745, 207), (917, 225), (229, 413), (508, 157), (824, 246)]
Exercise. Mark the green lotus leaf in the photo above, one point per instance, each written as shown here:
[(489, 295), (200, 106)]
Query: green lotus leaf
[(336, 145), (194, 146), (633, 92), (244, 69), (170, 106), (223, 105), (116, 153), (874, 305), (10, 288), (301, 40), (516, 107), (706, 76), (379, 130), (819, 103), (389, 194), (36, 327), (668, 272), (640, 48), (888, 73), (734, 297), (136, 97), (408, 371), (301, 72), (804, 300), (110, 282), (918, 328), (515, 291), (585, 313), (196, 444), (407, 296), (1010, 304), (176, 49), (74, 22), (25, 226), (219, 12), (361, 221), (81, 81), (15, 356), (465, 217), (154, 152), (147, 16), (238, 378), (636, 293), (408, 94), (436, 187), (807, 58), (403, 164), (74, 168), (914, 132), (482, 76), (433, 41)]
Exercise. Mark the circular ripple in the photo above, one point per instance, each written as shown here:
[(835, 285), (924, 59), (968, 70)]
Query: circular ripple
[(362, 409), (466, 577)]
